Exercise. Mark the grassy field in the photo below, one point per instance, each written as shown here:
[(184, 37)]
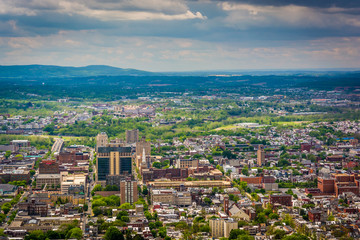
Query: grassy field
[(293, 123), (229, 127)]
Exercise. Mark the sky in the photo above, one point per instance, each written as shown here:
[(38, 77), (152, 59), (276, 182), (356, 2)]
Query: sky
[(180, 35)]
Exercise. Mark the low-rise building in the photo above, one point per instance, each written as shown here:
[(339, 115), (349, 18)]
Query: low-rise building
[(282, 199), (72, 183), (170, 196), (50, 181)]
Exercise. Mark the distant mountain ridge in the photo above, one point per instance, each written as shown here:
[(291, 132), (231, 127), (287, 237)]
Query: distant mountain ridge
[(48, 71), (52, 71)]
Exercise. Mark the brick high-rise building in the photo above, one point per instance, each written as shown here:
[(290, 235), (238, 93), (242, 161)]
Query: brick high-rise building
[(260, 156), (128, 192), (132, 136), (222, 227), (101, 140)]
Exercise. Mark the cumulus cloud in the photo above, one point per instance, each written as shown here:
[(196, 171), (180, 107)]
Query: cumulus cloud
[(166, 35), (245, 16), (304, 3), (107, 10)]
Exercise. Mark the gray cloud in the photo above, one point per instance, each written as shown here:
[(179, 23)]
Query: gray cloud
[(177, 34), (304, 3)]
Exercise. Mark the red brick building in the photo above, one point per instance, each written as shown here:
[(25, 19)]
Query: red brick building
[(339, 183), (34, 207), (49, 167), (71, 157), (14, 176), (252, 180), (170, 173), (305, 147), (268, 179), (314, 215), (326, 185), (335, 158), (346, 187), (282, 199)]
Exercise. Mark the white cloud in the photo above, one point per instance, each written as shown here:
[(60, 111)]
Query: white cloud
[(244, 16), (104, 10), (74, 48)]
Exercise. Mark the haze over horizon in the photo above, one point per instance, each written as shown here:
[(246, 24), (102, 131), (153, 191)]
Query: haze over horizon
[(164, 35)]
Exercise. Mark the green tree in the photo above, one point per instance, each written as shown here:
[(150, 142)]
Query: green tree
[(97, 211), (75, 233), (235, 233), (145, 190), (122, 214), (97, 187), (157, 165), (112, 233), (205, 228), (207, 201), (7, 154), (35, 235), (273, 216), (6, 208), (125, 206), (162, 232), (125, 219), (53, 234), (295, 236), (279, 234), (245, 171), (2, 234), (32, 172)]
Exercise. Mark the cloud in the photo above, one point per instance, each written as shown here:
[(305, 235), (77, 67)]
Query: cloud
[(304, 3), (166, 35), (244, 16), (104, 10), (79, 48)]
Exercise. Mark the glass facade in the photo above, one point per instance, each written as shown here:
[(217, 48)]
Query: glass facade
[(125, 165), (103, 168)]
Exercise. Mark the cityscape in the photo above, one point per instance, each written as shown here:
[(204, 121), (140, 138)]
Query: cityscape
[(179, 119)]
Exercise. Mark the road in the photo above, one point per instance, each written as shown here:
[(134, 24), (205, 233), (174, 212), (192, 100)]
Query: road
[(58, 145), (15, 208), (88, 196)]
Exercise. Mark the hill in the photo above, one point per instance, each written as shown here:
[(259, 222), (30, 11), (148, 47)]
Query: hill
[(49, 71)]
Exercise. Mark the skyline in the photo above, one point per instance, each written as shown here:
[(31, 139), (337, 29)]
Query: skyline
[(181, 35)]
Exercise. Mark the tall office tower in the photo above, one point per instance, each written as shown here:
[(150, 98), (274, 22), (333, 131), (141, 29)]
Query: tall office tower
[(113, 159), (260, 155), (132, 136), (128, 192), (101, 140), (143, 151)]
